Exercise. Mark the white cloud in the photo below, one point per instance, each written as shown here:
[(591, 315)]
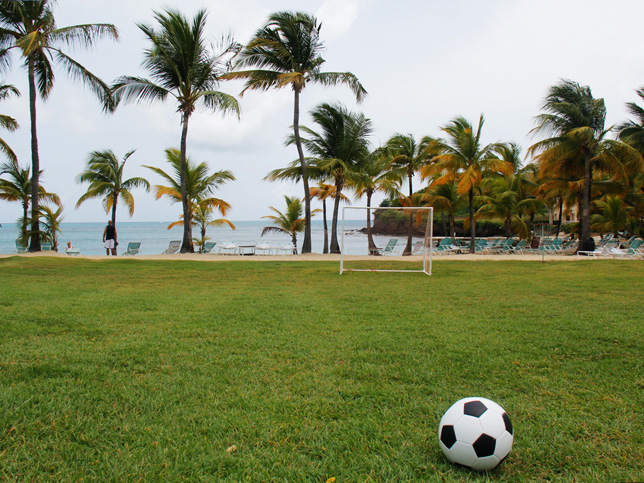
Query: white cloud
[(337, 16)]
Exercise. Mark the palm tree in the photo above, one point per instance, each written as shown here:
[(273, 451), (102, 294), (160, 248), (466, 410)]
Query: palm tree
[(578, 146), (182, 66), (406, 158), (461, 158), (445, 199), (374, 176), (506, 199), (290, 222), (202, 218), (632, 132), (18, 188), (104, 173), (8, 122), (51, 220), (339, 148), (613, 215), (199, 186), (29, 26), (323, 192), (286, 52)]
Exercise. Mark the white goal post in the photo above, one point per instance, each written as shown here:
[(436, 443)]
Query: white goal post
[(426, 244)]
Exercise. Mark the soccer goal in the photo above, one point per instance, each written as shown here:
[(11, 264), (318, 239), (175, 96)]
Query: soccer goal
[(355, 246)]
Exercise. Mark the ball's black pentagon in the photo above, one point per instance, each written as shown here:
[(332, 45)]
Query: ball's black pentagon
[(508, 424), (448, 436), (484, 446), (474, 408)]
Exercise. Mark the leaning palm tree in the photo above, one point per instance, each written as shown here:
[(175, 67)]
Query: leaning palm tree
[(339, 146), (577, 145), (289, 222), (104, 173), (199, 186), (182, 66), (286, 52), (632, 132), (17, 187), (463, 159), (29, 26), (406, 158)]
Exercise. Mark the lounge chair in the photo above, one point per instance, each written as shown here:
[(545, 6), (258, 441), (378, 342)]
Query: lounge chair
[(263, 249), (227, 248), (287, 248), (72, 251), (633, 250), (133, 248), (387, 250), (208, 247), (46, 247), (21, 247), (418, 248), (173, 247), (446, 246)]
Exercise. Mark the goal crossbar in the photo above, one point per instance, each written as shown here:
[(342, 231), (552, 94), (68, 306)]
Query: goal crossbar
[(427, 241)]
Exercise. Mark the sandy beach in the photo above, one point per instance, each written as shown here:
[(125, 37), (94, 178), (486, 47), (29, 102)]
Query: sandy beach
[(311, 257)]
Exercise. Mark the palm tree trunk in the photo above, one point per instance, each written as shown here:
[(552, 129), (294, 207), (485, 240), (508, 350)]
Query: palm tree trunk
[(560, 216), (584, 223), (335, 246), (407, 250), (34, 245), (186, 244), (472, 222), (444, 223), (25, 215), (452, 230), (306, 244), (114, 211), (325, 249), (371, 243)]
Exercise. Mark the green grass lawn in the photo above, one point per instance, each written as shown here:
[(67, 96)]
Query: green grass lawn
[(128, 370)]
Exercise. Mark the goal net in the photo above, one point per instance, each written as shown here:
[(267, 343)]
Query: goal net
[(381, 251)]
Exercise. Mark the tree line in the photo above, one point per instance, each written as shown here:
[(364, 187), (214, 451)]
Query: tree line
[(580, 162)]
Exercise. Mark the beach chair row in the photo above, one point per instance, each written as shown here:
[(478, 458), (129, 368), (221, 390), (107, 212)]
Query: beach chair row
[(231, 248), (610, 248)]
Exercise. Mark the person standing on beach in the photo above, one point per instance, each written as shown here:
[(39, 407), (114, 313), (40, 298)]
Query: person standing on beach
[(109, 237)]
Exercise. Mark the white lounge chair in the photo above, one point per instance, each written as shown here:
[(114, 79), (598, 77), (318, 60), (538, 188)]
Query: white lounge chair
[(227, 248), (263, 249), (173, 247)]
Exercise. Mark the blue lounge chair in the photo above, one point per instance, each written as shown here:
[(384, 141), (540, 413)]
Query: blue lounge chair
[(173, 247), (21, 247)]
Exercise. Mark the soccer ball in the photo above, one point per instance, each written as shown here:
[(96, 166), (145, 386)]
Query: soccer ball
[(476, 433)]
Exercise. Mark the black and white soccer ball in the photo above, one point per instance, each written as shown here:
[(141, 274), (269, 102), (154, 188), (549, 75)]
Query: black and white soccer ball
[(476, 433)]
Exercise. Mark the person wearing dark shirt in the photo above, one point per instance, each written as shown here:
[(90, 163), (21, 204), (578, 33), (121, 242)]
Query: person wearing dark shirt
[(109, 237)]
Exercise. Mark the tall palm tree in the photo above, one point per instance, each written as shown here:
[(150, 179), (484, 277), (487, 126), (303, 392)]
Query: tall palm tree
[(406, 158), (286, 52), (182, 66), (18, 188), (463, 159), (577, 146), (339, 148), (323, 192), (29, 26), (199, 186), (8, 122), (289, 222), (374, 176), (104, 173)]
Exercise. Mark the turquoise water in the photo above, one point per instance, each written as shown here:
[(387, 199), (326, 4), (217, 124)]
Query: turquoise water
[(154, 236)]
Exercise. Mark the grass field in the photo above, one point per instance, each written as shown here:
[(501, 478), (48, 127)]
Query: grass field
[(128, 370)]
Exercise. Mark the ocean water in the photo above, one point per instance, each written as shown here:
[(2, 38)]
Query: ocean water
[(155, 236)]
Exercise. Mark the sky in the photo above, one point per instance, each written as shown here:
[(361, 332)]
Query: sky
[(423, 62)]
